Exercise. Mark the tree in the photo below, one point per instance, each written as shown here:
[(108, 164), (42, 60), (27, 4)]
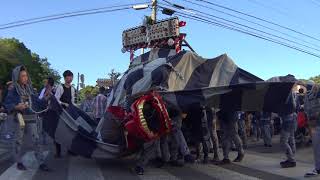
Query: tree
[(316, 79), (47, 70), (93, 90), (114, 77), (13, 53)]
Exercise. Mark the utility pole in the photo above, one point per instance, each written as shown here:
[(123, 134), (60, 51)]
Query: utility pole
[(77, 93), (154, 11), (153, 15), (78, 82)]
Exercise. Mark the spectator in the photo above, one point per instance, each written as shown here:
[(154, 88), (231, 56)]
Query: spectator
[(287, 138), (314, 123), (48, 88), (99, 104), (87, 104), (300, 99), (44, 94), (3, 94)]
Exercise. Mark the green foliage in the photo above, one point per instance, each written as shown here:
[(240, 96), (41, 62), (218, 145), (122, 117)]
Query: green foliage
[(303, 80), (148, 20), (92, 90), (316, 79), (13, 53), (114, 76)]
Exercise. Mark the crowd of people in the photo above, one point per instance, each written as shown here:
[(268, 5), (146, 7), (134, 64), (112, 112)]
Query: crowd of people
[(195, 134), (207, 128), (15, 101)]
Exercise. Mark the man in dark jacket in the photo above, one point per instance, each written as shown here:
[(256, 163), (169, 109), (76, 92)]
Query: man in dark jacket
[(17, 104)]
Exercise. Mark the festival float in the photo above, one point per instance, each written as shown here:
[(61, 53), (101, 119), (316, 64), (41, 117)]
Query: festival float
[(165, 79)]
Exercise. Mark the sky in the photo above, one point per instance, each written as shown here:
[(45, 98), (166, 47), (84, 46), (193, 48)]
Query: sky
[(91, 45)]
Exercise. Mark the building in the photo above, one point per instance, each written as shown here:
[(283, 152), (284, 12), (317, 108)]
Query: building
[(104, 82), (107, 83)]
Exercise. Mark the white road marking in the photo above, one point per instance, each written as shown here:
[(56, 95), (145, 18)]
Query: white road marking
[(30, 162)]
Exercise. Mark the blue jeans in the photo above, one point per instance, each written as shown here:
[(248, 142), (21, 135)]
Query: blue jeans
[(256, 131), (287, 139), (266, 134), (31, 129)]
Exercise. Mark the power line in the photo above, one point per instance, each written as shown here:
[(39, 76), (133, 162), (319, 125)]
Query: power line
[(244, 31), (252, 22), (266, 6), (258, 18), (239, 24), (233, 28), (317, 3), (67, 13), (62, 17)]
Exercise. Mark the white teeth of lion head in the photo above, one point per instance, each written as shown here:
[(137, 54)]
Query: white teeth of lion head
[(143, 121)]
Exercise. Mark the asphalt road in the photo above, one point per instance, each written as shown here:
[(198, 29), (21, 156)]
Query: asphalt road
[(259, 163)]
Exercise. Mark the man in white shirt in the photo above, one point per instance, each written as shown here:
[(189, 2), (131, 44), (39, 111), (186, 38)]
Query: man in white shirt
[(65, 94), (48, 88)]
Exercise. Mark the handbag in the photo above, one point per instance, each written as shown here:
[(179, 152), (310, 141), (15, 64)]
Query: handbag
[(20, 119)]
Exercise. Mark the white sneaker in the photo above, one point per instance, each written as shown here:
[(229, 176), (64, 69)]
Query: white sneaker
[(312, 173)]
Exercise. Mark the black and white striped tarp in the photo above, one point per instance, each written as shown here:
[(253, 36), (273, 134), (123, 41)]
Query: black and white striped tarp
[(74, 130), (183, 71), (155, 53), (184, 80), (260, 96)]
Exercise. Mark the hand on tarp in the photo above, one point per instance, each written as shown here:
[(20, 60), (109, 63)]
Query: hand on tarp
[(64, 105)]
